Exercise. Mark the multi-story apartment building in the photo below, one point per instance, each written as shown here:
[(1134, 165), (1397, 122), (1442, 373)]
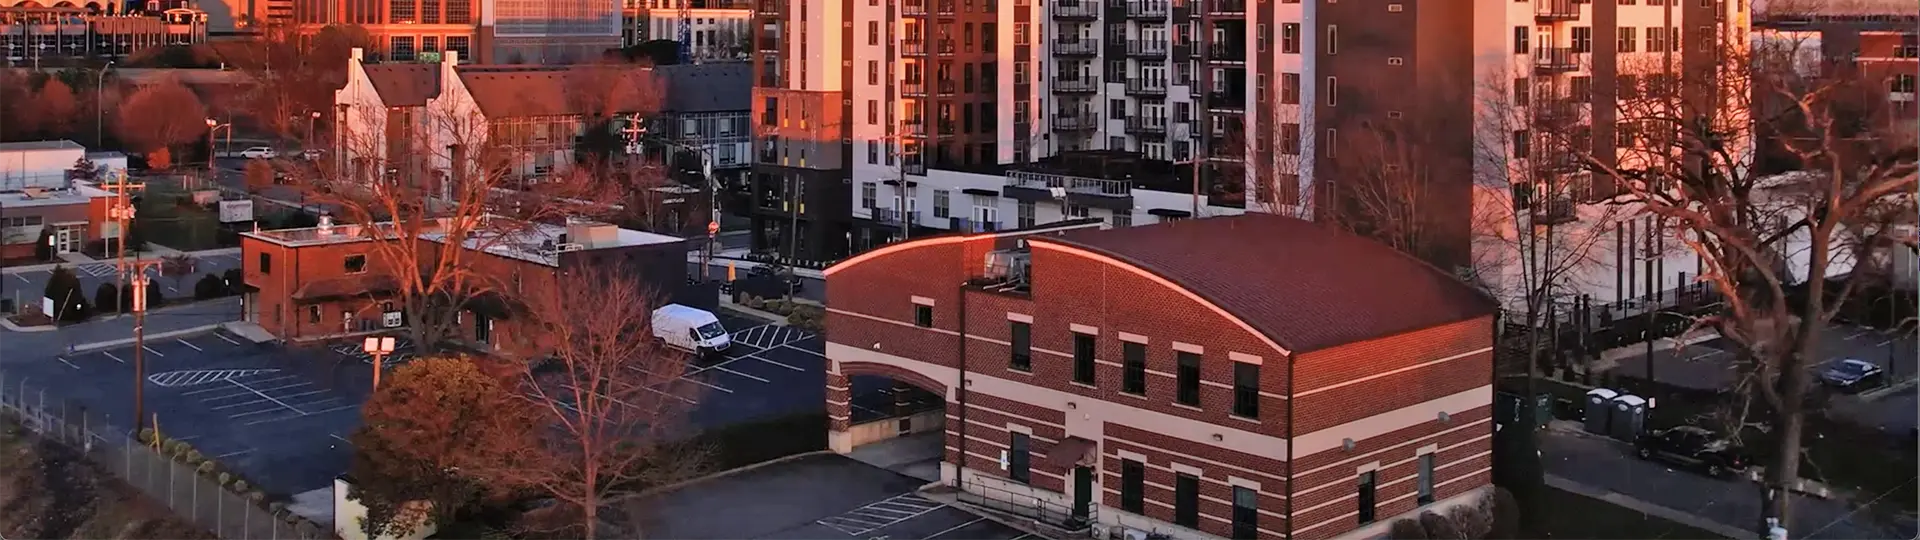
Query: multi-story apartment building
[(1877, 42), (716, 33), (1292, 382), (46, 33), (327, 281), (491, 31)]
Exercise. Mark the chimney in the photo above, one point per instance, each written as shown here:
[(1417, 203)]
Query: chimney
[(451, 58), (326, 225), (358, 54)]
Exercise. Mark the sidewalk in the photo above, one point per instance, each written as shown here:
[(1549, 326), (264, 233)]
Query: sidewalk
[(1622, 500), (153, 251)]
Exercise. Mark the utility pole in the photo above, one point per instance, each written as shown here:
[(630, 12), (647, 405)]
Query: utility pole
[(122, 212), (138, 269)]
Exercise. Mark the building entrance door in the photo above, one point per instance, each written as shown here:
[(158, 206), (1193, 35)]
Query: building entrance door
[(66, 240), (1082, 492)]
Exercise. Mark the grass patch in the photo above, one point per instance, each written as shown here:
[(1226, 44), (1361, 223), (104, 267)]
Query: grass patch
[(763, 440), (172, 219), (1572, 515)]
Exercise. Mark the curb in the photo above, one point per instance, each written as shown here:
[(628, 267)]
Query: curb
[(1628, 502), (988, 513), (90, 347), (1884, 392), (731, 472), (7, 323)]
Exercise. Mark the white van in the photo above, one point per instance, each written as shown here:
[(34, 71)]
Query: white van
[(690, 329)]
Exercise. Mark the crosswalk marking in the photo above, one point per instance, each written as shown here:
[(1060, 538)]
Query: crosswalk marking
[(881, 514)]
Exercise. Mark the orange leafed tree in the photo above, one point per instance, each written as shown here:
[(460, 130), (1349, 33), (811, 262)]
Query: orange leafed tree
[(160, 117), (56, 108), (612, 400)]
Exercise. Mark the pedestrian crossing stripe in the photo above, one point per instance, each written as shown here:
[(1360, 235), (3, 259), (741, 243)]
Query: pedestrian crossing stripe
[(194, 377)]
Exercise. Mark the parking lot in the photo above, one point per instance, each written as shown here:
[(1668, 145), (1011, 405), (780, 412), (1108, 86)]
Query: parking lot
[(827, 496), (94, 273), (769, 371), (278, 416)]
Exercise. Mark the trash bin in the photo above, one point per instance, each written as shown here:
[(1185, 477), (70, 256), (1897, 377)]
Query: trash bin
[(1599, 404), (1628, 416)]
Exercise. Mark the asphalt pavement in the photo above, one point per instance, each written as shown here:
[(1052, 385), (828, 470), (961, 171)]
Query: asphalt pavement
[(26, 286), (1608, 464), (811, 498)]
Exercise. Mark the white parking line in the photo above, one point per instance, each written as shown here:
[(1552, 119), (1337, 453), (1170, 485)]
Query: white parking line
[(955, 528), (232, 454), (224, 338), (23, 278), (156, 353), (790, 346), (282, 403), (335, 409), (115, 358), (339, 438), (190, 345), (63, 360), (741, 374)]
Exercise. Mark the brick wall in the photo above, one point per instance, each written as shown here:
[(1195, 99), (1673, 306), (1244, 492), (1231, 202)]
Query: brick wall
[(1326, 483), (1217, 467), (1349, 368)]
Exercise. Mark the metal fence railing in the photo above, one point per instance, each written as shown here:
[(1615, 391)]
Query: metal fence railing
[(1027, 505), (195, 492)]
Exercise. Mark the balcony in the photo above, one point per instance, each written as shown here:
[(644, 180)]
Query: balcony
[(1227, 7), (916, 127), (768, 7), (913, 89), (914, 8), (895, 217), (1073, 121), (1084, 84), (1226, 52), (944, 7), (959, 224), (1555, 10), (913, 48), (1147, 125), (1072, 185), (946, 47), (1141, 86), (1556, 210), (1230, 100), (1147, 48), (1550, 113), (1075, 47), (1076, 10), (1549, 160), (1147, 9), (945, 88), (1549, 60), (912, 164)]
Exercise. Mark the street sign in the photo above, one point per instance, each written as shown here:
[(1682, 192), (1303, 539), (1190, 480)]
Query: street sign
[(713, 228)]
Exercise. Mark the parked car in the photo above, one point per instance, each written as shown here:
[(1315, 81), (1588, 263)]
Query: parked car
[(1851, 375), (782, 274), (1692, 446), (259, 152), (312, 155)]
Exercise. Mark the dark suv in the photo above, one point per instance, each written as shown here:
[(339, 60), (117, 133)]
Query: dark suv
[(1692, 446)]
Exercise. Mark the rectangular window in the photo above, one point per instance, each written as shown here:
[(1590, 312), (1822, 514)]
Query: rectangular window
[(1425, 489), (1290, 88), (1333, 91), (1521, 143), (1626, 38), (1290, 38), (1133, 486), (1023, 214), (1019, 456), (1022, 339), (873, 32), (266, 263), (1365, 497), (356, 264), (941, 202), (1246, 513), (869, 195), (1083, 358), (1583, 39), (923, 316), (1246, 390), (1290, 139), (1133, 369), (1187, 391), (1186, 500), (313, 314), (1521, 93), (1520, 34), (1580, 89), (1333, 39)]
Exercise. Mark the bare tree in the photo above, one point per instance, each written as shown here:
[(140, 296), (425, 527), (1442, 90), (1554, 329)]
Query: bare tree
[(161, 116), (1690, 164), (295, 75), (615, 397)]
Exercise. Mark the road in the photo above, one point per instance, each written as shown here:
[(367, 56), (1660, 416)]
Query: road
[(810, 288), (1607, 464)]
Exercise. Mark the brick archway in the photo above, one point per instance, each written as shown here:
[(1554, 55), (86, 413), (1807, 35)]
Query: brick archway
[(849, 369), (840, 393)]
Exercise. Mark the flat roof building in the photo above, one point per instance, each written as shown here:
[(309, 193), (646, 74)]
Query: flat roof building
[(1251, 376)]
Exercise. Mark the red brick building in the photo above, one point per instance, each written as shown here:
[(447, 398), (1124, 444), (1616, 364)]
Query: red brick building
[(330, 281), (1235, 377)]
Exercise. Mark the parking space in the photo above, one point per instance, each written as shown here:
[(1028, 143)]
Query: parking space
[(812, 498), (276, 415)]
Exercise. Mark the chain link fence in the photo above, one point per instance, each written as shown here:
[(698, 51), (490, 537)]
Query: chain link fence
[(195, 492)]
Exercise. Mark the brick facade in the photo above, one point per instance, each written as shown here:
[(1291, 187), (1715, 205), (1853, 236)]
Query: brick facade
[(1352, 391)]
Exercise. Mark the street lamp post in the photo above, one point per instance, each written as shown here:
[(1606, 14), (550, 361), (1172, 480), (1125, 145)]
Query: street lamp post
[(378, 348), (312, 118), (140, 283), (213, 128), (100, 105)]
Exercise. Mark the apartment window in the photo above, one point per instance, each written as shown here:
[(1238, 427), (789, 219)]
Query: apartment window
[(1246, 513), (1023, 214), (1583, 39), (1333, 39), (1333, 136), (356, 264), (869, 195), (873, 32), (1290, 88), (1627, 86), (313, 314), (1424, 491), (1019, 456), (1246, 390), (1290, 139), (1133, 486), (1656, 39), (1903, 83), (1186, 500), (266, 263), (1187, 391), (873, 152), (988, 36), (1626, 37), (1365, 497), (873, 76), (401, 47), (1183, 111), (1290, 38), (1520, 34), (1333, 87), (1083, 358), (1581, 89), (1021, 335), (1521, 93), (966, 78), (1122, 218), (1520, 144), (923, 315), (1261, 37), (941, 200)]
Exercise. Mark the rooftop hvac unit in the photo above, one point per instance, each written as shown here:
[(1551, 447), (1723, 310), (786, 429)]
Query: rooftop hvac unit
[(1008, 265), (390, 319)]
